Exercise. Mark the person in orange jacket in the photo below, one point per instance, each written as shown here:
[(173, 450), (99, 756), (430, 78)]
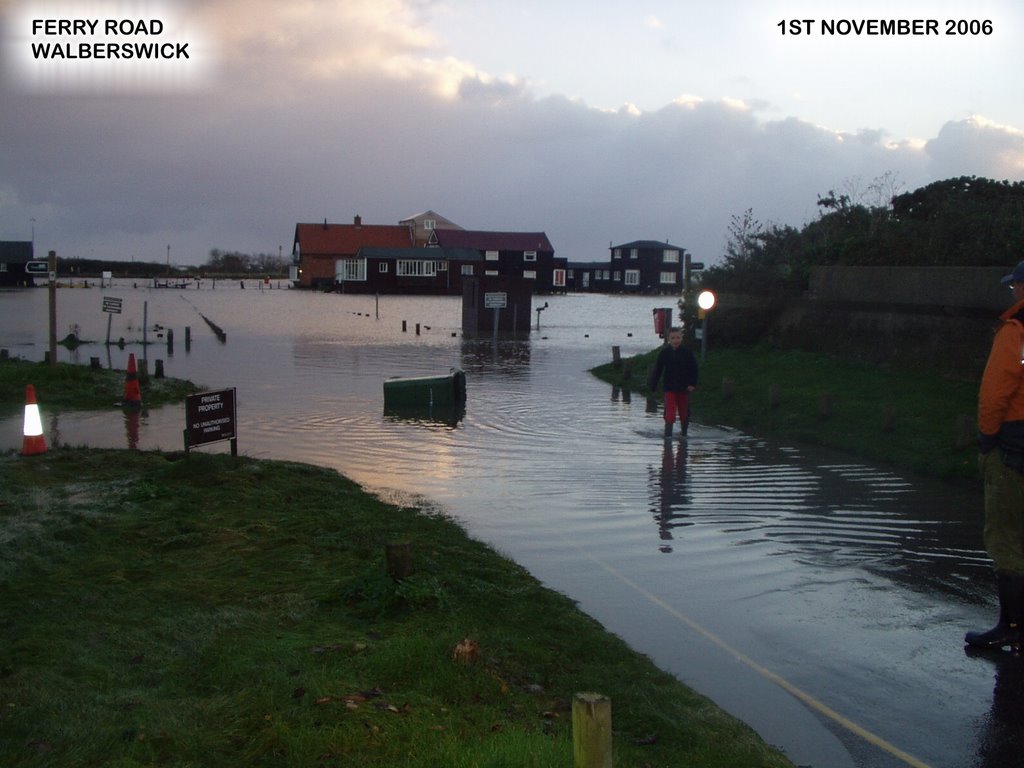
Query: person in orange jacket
[(1001, 443)]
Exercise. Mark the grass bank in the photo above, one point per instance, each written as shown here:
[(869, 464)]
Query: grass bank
[(171, 610), (77, 387), (917, 421)]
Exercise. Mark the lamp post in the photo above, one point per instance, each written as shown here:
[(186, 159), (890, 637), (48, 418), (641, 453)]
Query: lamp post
[(706, 302)]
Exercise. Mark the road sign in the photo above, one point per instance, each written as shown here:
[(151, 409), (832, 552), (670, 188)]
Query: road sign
[(112, 305), (696, 266), (497, 300), (209, 417), (37, 267)]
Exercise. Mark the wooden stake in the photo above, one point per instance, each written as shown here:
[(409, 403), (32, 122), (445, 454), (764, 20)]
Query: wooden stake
[(399, 560), (591, 731)]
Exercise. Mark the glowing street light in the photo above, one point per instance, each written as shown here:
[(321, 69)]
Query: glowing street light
[(706, 302)]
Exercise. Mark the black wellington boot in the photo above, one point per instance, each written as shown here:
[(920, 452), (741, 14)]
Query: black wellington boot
[(1008, 631)]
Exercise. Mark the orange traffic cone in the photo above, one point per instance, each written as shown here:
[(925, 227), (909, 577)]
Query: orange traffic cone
[(132, 393), (34, 442)]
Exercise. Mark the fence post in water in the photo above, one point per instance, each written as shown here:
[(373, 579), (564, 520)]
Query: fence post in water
[(591, 731), (170, 341), (403, 326), (616, 356), (158, 373), (94, 363), (188, 337), (399, 560)]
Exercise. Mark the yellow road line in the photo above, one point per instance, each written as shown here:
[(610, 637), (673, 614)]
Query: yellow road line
[(799, 693)]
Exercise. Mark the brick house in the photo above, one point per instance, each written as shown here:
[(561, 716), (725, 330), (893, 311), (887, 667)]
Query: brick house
[(319, 249)]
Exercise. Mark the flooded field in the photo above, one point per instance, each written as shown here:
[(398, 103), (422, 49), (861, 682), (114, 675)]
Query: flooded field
[(820, 599)]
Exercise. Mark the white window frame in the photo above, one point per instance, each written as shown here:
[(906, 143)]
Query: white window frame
[(529, 255), (632, 277), (617, 253), (416, 268), (558, 278), (669, 278), (491, 272), (530, 274), (442, 266), (467, 269), (350, 271), (430, 224), (382, 268), (671, 256), (634, 253), (490, 255), (617, 276)]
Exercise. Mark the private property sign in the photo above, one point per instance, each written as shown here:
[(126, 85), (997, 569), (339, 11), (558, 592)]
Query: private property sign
[(211, 417)]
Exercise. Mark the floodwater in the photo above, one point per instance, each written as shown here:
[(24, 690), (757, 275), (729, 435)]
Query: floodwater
[(819, 599)]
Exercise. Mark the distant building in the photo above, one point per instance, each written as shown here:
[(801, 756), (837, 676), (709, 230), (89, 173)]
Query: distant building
[(527, 255), (14, 255), (647, 266), (423, 271), (424, 224), (318, 249), (425, 253), (589, 276)]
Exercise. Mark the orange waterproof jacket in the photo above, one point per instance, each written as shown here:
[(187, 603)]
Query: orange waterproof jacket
[(1001, 398)]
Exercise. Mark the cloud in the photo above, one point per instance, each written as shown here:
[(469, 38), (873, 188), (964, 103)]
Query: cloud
[(327, 110), (981, 146)]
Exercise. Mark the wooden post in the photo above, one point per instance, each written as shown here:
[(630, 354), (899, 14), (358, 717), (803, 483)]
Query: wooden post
[(728, 388), (616, 356), (591, 731), (188, 337), (170, 341), (159, 373), (399, 560)]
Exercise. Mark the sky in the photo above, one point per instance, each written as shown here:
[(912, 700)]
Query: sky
[(596, 123)]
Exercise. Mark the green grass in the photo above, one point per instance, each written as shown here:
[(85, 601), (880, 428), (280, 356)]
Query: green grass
[(918, 421), (77, 387), (172, 610)]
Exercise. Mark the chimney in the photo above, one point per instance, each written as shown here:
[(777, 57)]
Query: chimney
[(325, 224), (358, 220)]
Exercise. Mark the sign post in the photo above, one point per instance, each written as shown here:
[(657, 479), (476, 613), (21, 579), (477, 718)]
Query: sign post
[(497, 301), (52, 264), (111, 306), (211, 417)]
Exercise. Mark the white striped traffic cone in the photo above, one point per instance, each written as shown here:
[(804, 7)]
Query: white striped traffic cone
[(34, 442)]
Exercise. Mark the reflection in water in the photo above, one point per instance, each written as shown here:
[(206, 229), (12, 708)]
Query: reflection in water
[(672, 501), (820, 512), (1001, 738), (431, 415)]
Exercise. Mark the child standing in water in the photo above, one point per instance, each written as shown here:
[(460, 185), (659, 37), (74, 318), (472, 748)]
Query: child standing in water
[(679, 367)]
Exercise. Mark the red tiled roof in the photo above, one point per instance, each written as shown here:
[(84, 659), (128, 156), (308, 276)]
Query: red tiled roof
[(493, 241), (347, 239)]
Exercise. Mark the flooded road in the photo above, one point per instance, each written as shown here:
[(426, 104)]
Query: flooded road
[(821, 600)]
